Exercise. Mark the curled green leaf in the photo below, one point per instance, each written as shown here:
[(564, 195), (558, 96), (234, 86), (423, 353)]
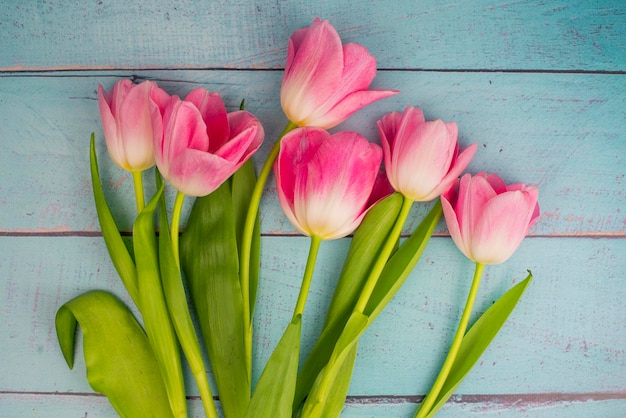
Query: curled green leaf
[(119, 360)]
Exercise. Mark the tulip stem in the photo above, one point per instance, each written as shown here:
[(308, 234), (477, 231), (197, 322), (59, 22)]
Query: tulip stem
[(430, 399), (246, 244), (308, 275), (138, 182), (178, 206), (377, 269)]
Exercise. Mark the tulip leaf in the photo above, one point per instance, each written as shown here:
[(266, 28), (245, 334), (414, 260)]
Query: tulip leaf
[(118, 251), (210, 260), (367, 242), (273, 395), (330, 389), (477, 339), (156, 318), (402, 262), (119, 360), (178, 307)]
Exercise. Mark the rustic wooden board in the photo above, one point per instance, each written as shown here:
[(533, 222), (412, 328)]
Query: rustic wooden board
[(540, 86), (562, 132), (432, 34), (570, 322)]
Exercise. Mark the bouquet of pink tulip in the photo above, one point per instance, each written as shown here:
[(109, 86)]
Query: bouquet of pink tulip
[(329, 186)]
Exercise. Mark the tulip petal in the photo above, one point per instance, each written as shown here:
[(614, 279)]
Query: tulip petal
[(135, 126), (501, 227), (458, 165), (447, 201), (338, 184), (183, 129), (213, 113), (296, 149), (325, 182), (313, 70), (198, 173), (349, 105)]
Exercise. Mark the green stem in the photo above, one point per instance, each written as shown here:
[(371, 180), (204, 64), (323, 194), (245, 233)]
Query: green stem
[(138, 182), (246, 244), (308, 275), (178, 207), (385, 252), (428, 402)]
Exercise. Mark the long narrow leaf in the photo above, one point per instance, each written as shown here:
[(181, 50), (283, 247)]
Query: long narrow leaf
[(364, 248), (120, 256), (119, 360), (401, 263), (331, 386), (210, 261), (273, 395), (477, 339), (178, 308), (156, 318)]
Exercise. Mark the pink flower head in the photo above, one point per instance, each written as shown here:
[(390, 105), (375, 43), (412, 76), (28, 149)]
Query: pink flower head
[(198, 145), (488, 219), (126, 113), (421, 158), (324, 82), (325, 182)]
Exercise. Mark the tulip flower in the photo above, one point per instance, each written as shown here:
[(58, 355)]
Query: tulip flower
[(324, 82), (126, 113), (422, 158), (325, 181), (198, 145), (488, 219)]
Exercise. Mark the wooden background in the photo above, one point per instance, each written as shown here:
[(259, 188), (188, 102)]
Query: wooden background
[(539, 85)]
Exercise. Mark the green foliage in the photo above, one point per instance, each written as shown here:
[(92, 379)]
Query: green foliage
[(273, 395), (209, 258), (119, 360), (118, 251), (477, 339)]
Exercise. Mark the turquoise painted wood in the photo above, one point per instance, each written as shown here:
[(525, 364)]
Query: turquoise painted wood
[(540, 86)]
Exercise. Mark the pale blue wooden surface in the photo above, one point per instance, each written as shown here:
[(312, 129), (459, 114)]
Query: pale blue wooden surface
[(540, 86)]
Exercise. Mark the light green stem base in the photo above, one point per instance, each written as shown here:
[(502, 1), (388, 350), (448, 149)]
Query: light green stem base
[(429, 400)]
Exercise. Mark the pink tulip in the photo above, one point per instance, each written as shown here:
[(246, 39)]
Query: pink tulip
[(421, 158), (324, 82), (488, 219), (126, 113), (198, 145), (325, 182)]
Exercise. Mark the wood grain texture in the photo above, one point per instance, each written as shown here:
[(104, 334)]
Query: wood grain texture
[(562, 132), (528, 35), (571, 322), (540, 86)]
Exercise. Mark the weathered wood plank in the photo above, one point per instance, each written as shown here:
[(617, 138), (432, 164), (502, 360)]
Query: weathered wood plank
[(429, 34), (563, 132), (78, 405), (569, 324)]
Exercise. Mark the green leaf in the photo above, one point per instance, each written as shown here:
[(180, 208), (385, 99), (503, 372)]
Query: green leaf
[(118, 251), (119, 360), (477, 339), (156, 318), (243, 182), (401, 263), (330, 389), (273, 395), (364, 248), (210, 261), (178, 307)]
